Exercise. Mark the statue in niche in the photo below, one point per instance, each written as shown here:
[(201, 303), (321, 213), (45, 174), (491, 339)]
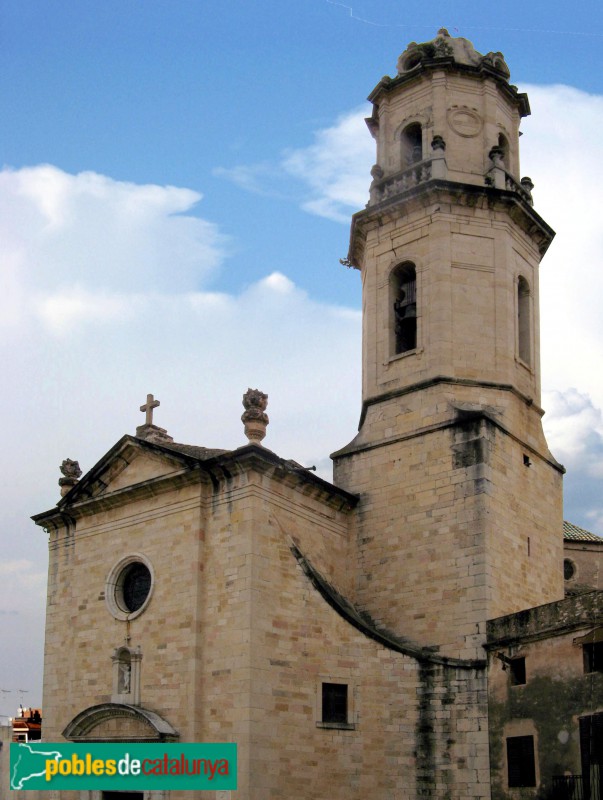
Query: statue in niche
[(124, 677)]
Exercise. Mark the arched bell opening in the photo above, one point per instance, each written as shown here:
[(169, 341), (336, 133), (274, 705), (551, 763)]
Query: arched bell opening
[(524, 348), (403, 284), (412, 145)]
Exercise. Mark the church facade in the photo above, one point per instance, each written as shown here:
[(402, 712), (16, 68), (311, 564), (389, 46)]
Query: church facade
[(356, 638)]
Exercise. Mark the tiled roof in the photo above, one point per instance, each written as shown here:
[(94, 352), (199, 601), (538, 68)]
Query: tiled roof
[(573, 533), (202, 453)]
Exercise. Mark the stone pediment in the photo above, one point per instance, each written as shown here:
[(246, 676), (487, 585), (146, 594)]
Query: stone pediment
[(142, 466), (131, 462), (113, 722)]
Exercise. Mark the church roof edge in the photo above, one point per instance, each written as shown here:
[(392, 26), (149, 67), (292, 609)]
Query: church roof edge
[(256, 454), (215, 461), (573, 533), (366, 626), (558, 618)]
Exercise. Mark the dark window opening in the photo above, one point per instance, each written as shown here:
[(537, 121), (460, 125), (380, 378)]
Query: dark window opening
[(569, 569), (123, 795), (593, 657), (517, 671), (405, 308), (520, 761), (523, 320), (412, 145), (135, 586), (591, 754), (335, 702)]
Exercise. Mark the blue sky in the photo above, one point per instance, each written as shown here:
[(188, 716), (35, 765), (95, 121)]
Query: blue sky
[(175, 196), (170, 92)]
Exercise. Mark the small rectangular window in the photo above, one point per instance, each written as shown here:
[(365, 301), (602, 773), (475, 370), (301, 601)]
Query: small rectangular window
[(517, 671), (593, 657), (123, 795), (520, 761), (335, 702)]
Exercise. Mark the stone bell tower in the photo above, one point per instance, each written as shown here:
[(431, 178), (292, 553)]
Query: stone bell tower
[(460, 517)]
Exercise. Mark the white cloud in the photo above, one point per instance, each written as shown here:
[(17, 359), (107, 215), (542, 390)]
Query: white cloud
[(64, 311), (22, 602), (574, 427), (333, 173), (574, 430), (565, 162), (336, 167), (278, 283), (145, 323), (24, 579), (255, 178), (62, 233)]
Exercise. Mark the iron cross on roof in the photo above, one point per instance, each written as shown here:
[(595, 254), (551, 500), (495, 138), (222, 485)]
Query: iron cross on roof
[(148, 409)]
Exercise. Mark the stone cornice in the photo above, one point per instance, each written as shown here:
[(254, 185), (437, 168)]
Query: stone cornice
[(460, 419), (438, 379), (56, 517), (219, 471), (388, 85), (223, 469), (553, 619), (442, 191)]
